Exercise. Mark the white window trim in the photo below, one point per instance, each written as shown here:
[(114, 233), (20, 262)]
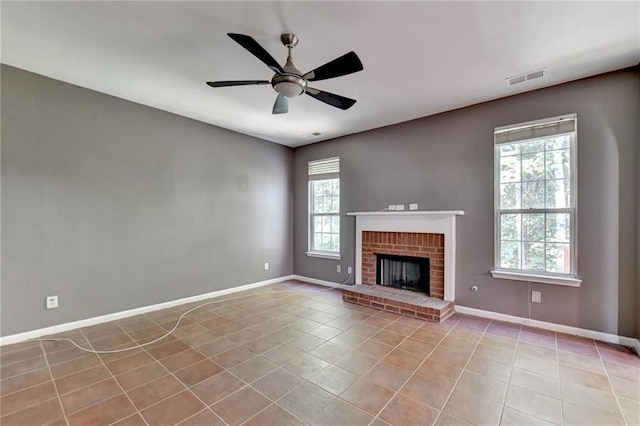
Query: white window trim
[(570, 280), (330, 172)]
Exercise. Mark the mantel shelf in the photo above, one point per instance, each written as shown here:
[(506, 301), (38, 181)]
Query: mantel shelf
[(409, 213)]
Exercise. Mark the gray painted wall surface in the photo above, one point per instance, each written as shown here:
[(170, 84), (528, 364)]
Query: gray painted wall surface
[(445, 162), (112, 205)]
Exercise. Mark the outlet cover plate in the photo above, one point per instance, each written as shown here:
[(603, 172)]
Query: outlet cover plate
[(536, 297), (52, 302)]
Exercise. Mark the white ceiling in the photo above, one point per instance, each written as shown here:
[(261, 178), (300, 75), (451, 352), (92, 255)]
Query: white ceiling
[(420, 58)]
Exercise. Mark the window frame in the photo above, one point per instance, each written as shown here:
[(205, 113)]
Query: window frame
[(566, 279), (321, 175)]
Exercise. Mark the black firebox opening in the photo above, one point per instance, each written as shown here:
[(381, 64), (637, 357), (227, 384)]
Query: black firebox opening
[(406, 272)]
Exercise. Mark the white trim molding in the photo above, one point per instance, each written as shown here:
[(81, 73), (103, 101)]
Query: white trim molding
[(576, 331), (533, 278), (54, 329), (318, 282), (432, 222)]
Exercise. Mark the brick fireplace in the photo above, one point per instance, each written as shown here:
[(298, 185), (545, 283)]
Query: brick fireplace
[(422, 245)]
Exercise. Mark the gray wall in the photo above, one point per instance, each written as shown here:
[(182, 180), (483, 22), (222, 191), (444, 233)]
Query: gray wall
[(445, 162), (112, 205)]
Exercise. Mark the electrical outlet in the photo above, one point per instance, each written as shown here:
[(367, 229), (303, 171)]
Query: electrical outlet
[(266, 266), (338, 268), (536, 297), (399, 206), (348, 269), (413, 206), (392, 206), (52, 302)]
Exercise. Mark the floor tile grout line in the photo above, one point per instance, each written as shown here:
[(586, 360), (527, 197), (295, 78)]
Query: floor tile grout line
[(513, 362), (613, 390), (55, 385), (396, 392), (104, 364)]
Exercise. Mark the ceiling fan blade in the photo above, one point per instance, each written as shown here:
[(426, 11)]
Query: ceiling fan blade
[(345, 64), (236, 83), (281, 105), (256, 50), (331, 98)]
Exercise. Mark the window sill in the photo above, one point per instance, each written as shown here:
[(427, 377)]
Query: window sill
[(543, 279), (323, 255)]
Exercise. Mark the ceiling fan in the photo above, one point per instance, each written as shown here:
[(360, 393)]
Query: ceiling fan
[(288, 81)]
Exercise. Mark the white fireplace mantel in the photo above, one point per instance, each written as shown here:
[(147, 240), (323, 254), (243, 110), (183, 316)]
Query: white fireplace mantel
[(432, 222)]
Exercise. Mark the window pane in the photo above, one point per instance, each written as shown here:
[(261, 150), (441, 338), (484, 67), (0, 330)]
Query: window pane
[(559, 227), (532, 147), (558, 258), (510, 196), (326, 224), (533, 259), (335, 224), (317, 188), (335, 187), (335, 242), (334, 205), (558, 193), (557, 164), (509, 149), (533, 227), (510, 227), (317, 241), (557, 142), (510, 255), (533, 194), (326, 242), (510, 169), (533, 166), (317, 204), (317, 224)]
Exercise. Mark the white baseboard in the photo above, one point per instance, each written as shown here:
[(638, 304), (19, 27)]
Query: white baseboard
[(33, 334), (316, 281), (591, 334)]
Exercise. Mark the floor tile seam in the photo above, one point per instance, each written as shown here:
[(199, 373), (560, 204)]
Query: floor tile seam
[(279, 406), (31, 405), (26, 387), (55, 386), (71, 413), (7, 364), (613, 390), (453, 388), (397, 392), (204, 409), (104, 364), (513, 362)]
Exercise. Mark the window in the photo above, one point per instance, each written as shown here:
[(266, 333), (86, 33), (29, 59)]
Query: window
[(535, 195), (324, 208)]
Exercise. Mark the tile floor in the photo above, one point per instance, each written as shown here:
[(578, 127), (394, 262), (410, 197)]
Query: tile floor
[(295, 354)]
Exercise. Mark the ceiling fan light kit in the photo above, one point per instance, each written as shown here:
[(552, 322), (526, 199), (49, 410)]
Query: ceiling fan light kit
[(288, 81)]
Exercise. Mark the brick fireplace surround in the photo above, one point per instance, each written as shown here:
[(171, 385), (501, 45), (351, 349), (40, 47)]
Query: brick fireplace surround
[(419, 234)]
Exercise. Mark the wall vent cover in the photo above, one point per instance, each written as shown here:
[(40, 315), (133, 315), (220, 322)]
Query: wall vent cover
[(517, 79)]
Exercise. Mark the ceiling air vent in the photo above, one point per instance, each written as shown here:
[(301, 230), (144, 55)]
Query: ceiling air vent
[(517, 79)]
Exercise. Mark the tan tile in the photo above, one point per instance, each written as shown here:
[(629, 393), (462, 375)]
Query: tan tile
[(215, 347), (589, 398), (468, 334), (388, 375), (442, 374), (339, 411), (133, 420), (198, 372), (306, 342), (24, 381), (449, 357), (458, 345), (240, 406), (325, 332), (93, 394), (204, 417), (535, 350), (104, 413), (539, 383), (253, 369), (333, 379), (584, 378), (511, 417), (578, 347), (28, 352), (277, 384), (416, 346), (580, 361), (153, 392), (473, 323), (428, 336), (622, 371), (261, 344), (448, 420), (349, 339), (426, 391), (168, 349), (400, 328), (232, 357), (535, 404), (22, 367), (329, 351), (406, 411), (472, 409), (630, 410), (140, 376), (40, 414), (274, 415), (173, 410), (494, 353), (490, 368), (626, 388), (81, 379), (368, 396), (129, 363), (504, 329), (306, 401), (374, 349), (388, 337), (580, 416), (356, 363), (538, 337), (499, 341), (182, 359), (482, 386), (306, 365), (537, 365), (20, 400), (282, 354)]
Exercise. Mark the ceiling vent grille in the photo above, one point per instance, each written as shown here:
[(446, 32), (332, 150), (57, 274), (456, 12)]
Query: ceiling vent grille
[(517, 79)]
